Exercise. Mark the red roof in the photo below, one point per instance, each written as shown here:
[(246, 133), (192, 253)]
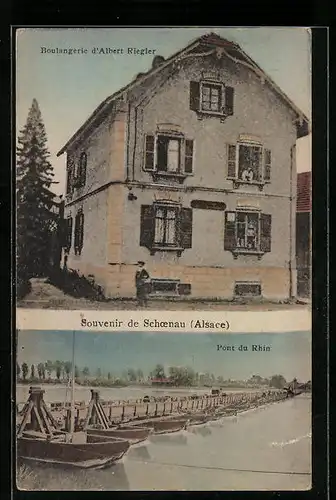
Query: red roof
[(303, 201)]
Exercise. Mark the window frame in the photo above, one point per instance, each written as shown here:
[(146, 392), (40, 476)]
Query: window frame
[(210, 83), (167, 206), (255, 182), (236, 250), (180, 173)]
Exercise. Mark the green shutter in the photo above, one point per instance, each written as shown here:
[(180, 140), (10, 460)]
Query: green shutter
[(188, 156), (265, 232), (185, 227), (231, 161), (149, 152), (194, 96), (230, 231), (147, 221), (267, 165)]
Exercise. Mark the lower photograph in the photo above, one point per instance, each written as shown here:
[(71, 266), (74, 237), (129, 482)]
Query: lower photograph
[(163, 411)]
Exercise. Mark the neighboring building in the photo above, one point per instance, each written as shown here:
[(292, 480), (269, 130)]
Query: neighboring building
[(303, 233), (162, 381), (190, 168)]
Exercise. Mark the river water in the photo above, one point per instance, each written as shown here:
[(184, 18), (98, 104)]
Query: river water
[(268, 448), (59, 393)]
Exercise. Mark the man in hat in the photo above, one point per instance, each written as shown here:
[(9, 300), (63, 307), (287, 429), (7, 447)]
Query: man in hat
[(142, 281)]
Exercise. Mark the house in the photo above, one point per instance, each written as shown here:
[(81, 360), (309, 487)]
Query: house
[(190, 168), (303, 233)]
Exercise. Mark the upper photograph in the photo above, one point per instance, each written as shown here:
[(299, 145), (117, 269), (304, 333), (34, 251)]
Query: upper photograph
[(163, 168)]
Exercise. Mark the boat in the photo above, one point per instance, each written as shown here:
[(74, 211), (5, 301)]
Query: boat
[(97, 424), (40, 438), (131, 434), (85, 451), (160, 425)]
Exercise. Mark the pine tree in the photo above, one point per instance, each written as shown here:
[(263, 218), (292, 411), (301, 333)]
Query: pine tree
[(34, 198)]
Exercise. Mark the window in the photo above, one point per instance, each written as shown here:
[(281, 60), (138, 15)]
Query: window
[(247, 232), (248, 163), (79, 233), (165, 226), (80, 177), (169, 155), (211, 97), (165, 233), (168, 286)]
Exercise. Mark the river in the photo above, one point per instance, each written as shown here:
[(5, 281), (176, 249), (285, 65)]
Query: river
[(55, 393), (268, 448)]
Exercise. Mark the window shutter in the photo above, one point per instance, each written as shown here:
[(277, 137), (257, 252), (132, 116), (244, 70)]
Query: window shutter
[(149, 152), (265, 232), (81, 231), (231, 161), (82, 169), (267, 165), (68, 235), (147, 221), (70, 172), (189, 154), (194, 96), (229, 100), (230, 231), (185, 227)]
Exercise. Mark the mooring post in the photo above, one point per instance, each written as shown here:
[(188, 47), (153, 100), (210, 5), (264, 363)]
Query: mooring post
[(147, 409), (156, 409), (123, 412), (134, 413)]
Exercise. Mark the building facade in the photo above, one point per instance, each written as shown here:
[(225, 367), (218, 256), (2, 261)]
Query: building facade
[(191, 169), (303, 233)]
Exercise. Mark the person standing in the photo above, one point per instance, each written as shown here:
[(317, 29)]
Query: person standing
[(142, 281)]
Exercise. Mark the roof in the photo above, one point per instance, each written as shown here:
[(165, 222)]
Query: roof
[(303, 200), (228, 48)]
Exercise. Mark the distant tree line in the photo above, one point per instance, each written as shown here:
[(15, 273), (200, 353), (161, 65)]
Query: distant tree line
[(176, 376)]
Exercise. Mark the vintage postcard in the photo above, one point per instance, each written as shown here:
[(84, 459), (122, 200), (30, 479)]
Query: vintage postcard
[(163, 204)]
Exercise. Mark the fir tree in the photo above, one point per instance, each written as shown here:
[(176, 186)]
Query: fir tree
[(34, 198)]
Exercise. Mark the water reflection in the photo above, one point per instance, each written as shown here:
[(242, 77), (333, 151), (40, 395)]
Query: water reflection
[(176, 439), (139, 452), (201, 430)]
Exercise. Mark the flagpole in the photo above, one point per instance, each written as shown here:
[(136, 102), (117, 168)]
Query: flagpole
[(72, 414)]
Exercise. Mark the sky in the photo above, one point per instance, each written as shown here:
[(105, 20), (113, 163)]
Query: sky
[(114, 352), (69, 88)]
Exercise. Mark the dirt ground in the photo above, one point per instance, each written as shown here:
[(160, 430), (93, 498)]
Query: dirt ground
[(44, 295)]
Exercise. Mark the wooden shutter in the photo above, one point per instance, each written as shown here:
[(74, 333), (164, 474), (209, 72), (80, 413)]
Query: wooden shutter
[(79, 232), (231, 161), (147, 225), (194, 96), (188, 156), (265, 232), (230, 231), (82, 169), (70, 172), (185, 227), (149, 152), (267, 165), (68, 240), (229, 100)]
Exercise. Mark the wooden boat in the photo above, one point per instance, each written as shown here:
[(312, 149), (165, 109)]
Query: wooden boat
[(160, 425), (87, 452), (131, 434), (198, 418)]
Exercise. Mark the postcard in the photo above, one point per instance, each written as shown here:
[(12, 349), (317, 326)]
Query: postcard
[(163, 201)]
